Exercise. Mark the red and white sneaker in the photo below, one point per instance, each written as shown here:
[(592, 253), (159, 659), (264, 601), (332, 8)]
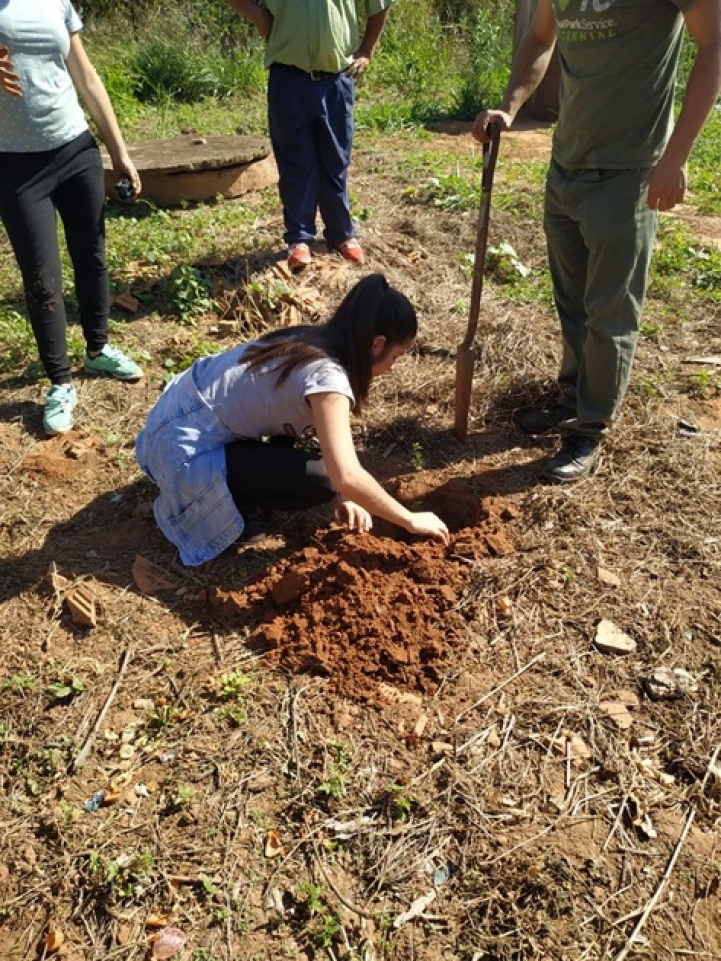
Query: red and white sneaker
[(298, 256), (351, 251)]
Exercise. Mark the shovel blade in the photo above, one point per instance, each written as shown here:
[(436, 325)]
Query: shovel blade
[(465, 361)]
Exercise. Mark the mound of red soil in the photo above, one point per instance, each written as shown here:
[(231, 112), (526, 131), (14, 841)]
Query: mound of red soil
[(366, 610)]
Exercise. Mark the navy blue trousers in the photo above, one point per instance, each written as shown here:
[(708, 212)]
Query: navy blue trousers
[(311, 130), (34, 189)]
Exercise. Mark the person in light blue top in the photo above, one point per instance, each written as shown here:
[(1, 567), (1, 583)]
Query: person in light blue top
[(267, 424), (49, 165)]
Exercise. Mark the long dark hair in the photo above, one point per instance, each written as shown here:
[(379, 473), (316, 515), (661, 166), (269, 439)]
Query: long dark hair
[(370, 309)]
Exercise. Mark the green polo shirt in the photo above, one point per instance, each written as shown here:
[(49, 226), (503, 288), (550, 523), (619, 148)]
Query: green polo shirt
[(316, 34)]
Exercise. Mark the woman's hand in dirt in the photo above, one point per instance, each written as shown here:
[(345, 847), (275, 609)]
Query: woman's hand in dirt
[(427, 524), (9, 80), (355, 517)]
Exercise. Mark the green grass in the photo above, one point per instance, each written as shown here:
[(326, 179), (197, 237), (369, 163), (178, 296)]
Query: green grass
[(704, 179), (682, 270)]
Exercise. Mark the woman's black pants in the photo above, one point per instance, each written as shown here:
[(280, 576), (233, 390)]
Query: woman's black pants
[(34, 189), (276, 475)]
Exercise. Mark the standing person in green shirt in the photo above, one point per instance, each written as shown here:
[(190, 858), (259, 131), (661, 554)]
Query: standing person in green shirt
[(617, 159), (314, 54)]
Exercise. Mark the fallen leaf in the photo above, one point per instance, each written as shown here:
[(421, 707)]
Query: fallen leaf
[(156, 920), (420, 727), (618, 712), (572, 746), (505, 606), (395, 696), (168, 943), (56, 580), (416, 909), (54, 940), (273, 845)]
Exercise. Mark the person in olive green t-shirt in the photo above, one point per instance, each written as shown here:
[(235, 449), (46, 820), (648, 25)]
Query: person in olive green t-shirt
[(314, 52), (617, 159)]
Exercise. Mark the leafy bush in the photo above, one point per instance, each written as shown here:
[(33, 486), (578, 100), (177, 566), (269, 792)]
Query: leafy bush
[(489, 45)]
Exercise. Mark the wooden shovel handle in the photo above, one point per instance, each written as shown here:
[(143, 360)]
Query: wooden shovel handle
[(490, 156)]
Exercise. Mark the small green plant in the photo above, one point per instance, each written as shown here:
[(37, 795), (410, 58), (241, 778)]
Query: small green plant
[(232, 685), (65, 689), (336, 781), (504, 263), (18, 682), (703, 384), (399, 805), (323, 926), (259, 819), (208, 886), (161, 719), (183, 796), (445, 191), (189, 293), (17, 340), (418, 461), (649, 329), (177, 363)]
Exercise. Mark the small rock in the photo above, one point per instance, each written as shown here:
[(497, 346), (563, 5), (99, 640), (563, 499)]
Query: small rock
[(611, 639), (668, 685), (143, 704)]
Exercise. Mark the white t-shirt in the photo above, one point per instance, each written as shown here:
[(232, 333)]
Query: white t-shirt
[(48, 115), (253, 404)]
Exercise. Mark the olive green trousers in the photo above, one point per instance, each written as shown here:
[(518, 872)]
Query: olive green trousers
[(600, 235)]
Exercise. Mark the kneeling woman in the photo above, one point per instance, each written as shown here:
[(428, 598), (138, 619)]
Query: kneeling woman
[(221, 437)]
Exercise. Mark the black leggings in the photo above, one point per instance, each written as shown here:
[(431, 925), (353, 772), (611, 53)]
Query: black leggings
[(276, 475), (34, 188)]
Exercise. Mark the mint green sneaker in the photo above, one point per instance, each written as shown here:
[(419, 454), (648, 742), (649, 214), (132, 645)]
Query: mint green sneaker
[(113, 362), (60, 403)]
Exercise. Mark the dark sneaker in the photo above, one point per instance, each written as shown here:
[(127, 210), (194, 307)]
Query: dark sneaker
[(252, 533), (545, 421), (574, 461)]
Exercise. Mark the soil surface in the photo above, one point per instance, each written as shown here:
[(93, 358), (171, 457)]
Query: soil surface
[(369, 612), (327, 745)]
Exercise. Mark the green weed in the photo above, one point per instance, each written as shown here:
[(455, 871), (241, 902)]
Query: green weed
[(17, 339), (418, 461), (323, 925), (65, 689), (337, 763), (189, 293), (18, 682), (184, 796), (183, 359)]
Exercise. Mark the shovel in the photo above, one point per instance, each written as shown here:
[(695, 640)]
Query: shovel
[(467, 352)]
